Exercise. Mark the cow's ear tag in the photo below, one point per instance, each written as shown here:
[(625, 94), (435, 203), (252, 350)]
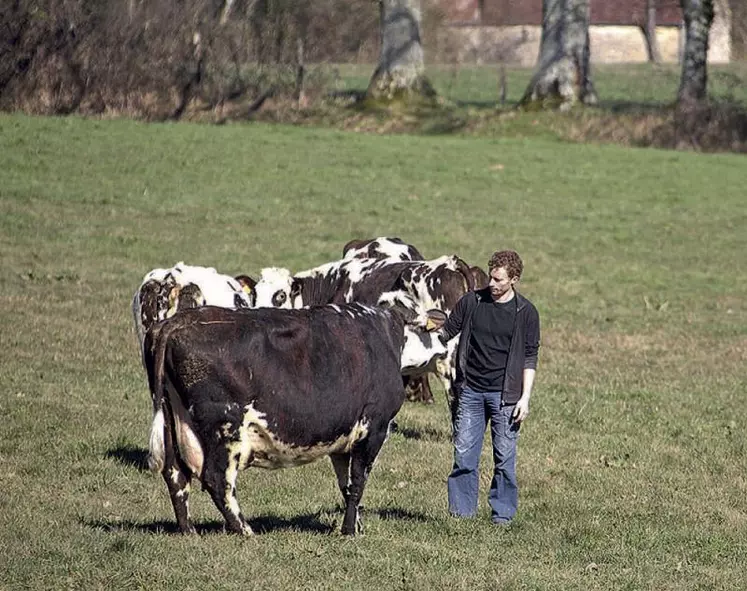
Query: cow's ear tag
[(246, 288)]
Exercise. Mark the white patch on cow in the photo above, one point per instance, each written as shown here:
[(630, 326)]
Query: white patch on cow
[(174, 475), (336, 308), (217, 289), (382, 246), (156, 447), (232, 473), (182, 492), (421, 352), (258, 446), (273, 280), (359, 269)]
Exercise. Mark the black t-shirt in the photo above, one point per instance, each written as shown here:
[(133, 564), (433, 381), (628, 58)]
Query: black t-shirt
[(490, 340)]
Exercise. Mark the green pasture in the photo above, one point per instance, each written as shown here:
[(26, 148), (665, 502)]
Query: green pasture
[(632, 464)]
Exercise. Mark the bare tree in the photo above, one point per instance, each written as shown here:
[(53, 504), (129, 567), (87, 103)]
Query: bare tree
[(698, 15), (401, 69), (562, 77), (649, 32)]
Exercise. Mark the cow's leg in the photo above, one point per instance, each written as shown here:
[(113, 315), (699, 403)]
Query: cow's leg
[(419, 390), (219, 479), (341, 464), (427, 393), (177, 477), (362, 458)]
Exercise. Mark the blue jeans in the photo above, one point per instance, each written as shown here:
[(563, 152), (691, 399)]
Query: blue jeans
[(473, 412)]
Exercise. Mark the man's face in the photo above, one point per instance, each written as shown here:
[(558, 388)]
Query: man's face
[(500, 283)]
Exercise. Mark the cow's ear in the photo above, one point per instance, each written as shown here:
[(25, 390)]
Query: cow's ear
[(173, 301), (247, 283), (436, 319)]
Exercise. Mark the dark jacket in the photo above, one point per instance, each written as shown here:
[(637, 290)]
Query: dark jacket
[(524, 342)]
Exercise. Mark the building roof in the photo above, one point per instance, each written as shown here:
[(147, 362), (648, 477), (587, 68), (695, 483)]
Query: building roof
[(529, 12)]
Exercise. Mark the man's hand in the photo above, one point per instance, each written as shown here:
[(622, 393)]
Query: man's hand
[(521, 411)]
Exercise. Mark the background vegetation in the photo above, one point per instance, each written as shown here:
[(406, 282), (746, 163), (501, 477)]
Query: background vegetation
[(632, 463), (308, 63)]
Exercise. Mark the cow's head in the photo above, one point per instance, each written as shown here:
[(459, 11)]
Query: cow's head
[(423, 348), (182, 297), (277, 288)]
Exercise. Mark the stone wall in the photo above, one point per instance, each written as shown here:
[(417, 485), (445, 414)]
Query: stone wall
[(609, 44)]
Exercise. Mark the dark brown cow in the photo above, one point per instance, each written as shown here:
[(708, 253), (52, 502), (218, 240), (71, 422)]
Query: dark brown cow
[(275, 388), (481, 277)]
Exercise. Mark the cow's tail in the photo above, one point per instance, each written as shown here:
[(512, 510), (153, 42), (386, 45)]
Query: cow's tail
[(466, 273), (154, 352)]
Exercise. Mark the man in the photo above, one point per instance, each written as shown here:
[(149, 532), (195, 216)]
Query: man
[(496, 363)]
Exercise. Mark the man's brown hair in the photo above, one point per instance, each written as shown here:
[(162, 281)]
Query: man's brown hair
[(509, 259)]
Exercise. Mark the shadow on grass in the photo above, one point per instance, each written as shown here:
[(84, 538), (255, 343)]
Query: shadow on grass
[(422, 433), (130, 455), (260, 525), (397, 514), (263, 524)]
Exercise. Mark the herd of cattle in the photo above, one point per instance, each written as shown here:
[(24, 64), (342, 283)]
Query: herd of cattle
[(286, 369)]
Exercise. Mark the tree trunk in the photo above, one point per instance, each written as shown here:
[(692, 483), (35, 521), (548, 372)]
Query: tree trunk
[(401, 70), (563, 76), (698, 16), (691, 114), (226, 12), (649, 31)]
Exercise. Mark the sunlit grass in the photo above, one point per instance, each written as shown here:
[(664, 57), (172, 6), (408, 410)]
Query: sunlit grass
[(632, 463)]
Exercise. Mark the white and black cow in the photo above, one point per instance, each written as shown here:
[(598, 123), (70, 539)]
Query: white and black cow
[(164, 291), (438, 283), (275, 388), (381, 248), (338, 282), (395, 249)]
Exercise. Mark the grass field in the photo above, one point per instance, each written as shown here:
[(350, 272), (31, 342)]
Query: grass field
[(632, 463)]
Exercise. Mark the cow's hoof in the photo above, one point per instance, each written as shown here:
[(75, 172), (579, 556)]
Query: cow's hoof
[(348, 531)]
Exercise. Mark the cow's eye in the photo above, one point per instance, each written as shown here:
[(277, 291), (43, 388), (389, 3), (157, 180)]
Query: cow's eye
[(279, 298)]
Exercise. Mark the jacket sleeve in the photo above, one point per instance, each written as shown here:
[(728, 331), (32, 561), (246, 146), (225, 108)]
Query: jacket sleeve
[(532, 338), (453, 325)]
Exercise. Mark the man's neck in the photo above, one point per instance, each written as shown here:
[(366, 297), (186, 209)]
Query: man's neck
[(506, 297)]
